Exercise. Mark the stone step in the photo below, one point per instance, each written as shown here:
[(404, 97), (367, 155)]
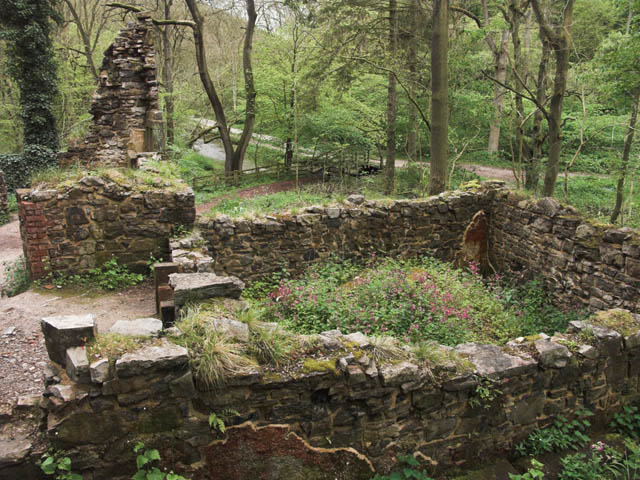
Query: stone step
[(201, 286)]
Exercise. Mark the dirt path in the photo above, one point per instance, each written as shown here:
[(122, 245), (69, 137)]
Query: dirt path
[(22, 351), (10, 245)]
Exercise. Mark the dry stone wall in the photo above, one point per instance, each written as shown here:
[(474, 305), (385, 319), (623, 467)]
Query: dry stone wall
[(251, 248), (78, 227), (585, 264), (343, 415), (126, 118)]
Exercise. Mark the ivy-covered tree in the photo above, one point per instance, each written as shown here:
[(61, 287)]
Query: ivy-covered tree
[(26, 31)]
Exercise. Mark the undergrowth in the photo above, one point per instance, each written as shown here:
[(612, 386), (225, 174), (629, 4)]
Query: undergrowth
[(418, 300), (109, 276)]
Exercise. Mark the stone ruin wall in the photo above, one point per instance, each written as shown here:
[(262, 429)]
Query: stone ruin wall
[(585, 264), (126, 118), (342, 421), (76, 228), (355, 411), (250, 248), (4, 198)]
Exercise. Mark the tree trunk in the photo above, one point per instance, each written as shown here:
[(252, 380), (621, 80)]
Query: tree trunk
[(233, 159), (532, 170), (391, 101), (559, 38), (439, 98), (86, 40), (249, 88), (412, 66), (501, 58), (209, 88), (628, 141), (167, 75)]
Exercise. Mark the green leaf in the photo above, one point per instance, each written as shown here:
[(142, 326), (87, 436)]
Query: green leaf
[(155, 474), (139, 446), (152, 454), (141, 461), (48, 467), (140, 475)]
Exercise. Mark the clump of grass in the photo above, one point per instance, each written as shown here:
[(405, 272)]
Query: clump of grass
[(112, 345), (386, 349), (272, 345), (214, 357)]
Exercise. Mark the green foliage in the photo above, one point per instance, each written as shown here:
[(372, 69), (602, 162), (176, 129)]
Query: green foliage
[(595, 197), (534, 473), (16, 278), (58, 466), (562, 435), (213, 356), (113, 276), (263, 204), (417, 301), (218, 422), (27, 35), (409, 471), (18, 169), (109, 276), (146, 470), (532, 304), (486, 393), (627, 422)]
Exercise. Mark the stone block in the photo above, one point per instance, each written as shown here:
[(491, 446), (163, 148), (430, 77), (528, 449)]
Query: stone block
[(63, 332), (99, 371), (167, 313), (491, 361), (152, 359), (552, 355), (399, 373), (141, 327), (77, 365), (199, 286)]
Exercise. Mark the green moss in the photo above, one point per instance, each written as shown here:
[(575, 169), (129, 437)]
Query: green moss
[(112, 346), (619, 320), (435, 355), (313, 365)]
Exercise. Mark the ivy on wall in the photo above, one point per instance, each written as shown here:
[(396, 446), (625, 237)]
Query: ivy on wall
[(26, 31)]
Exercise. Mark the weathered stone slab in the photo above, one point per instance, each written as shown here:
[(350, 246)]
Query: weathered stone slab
[(359, 339), (77, 365), (187, 286), (552, 355), (141, 327), (152, 359), (63, 332), (14, 452), (491, 361), (232, 328), (399, 373)]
